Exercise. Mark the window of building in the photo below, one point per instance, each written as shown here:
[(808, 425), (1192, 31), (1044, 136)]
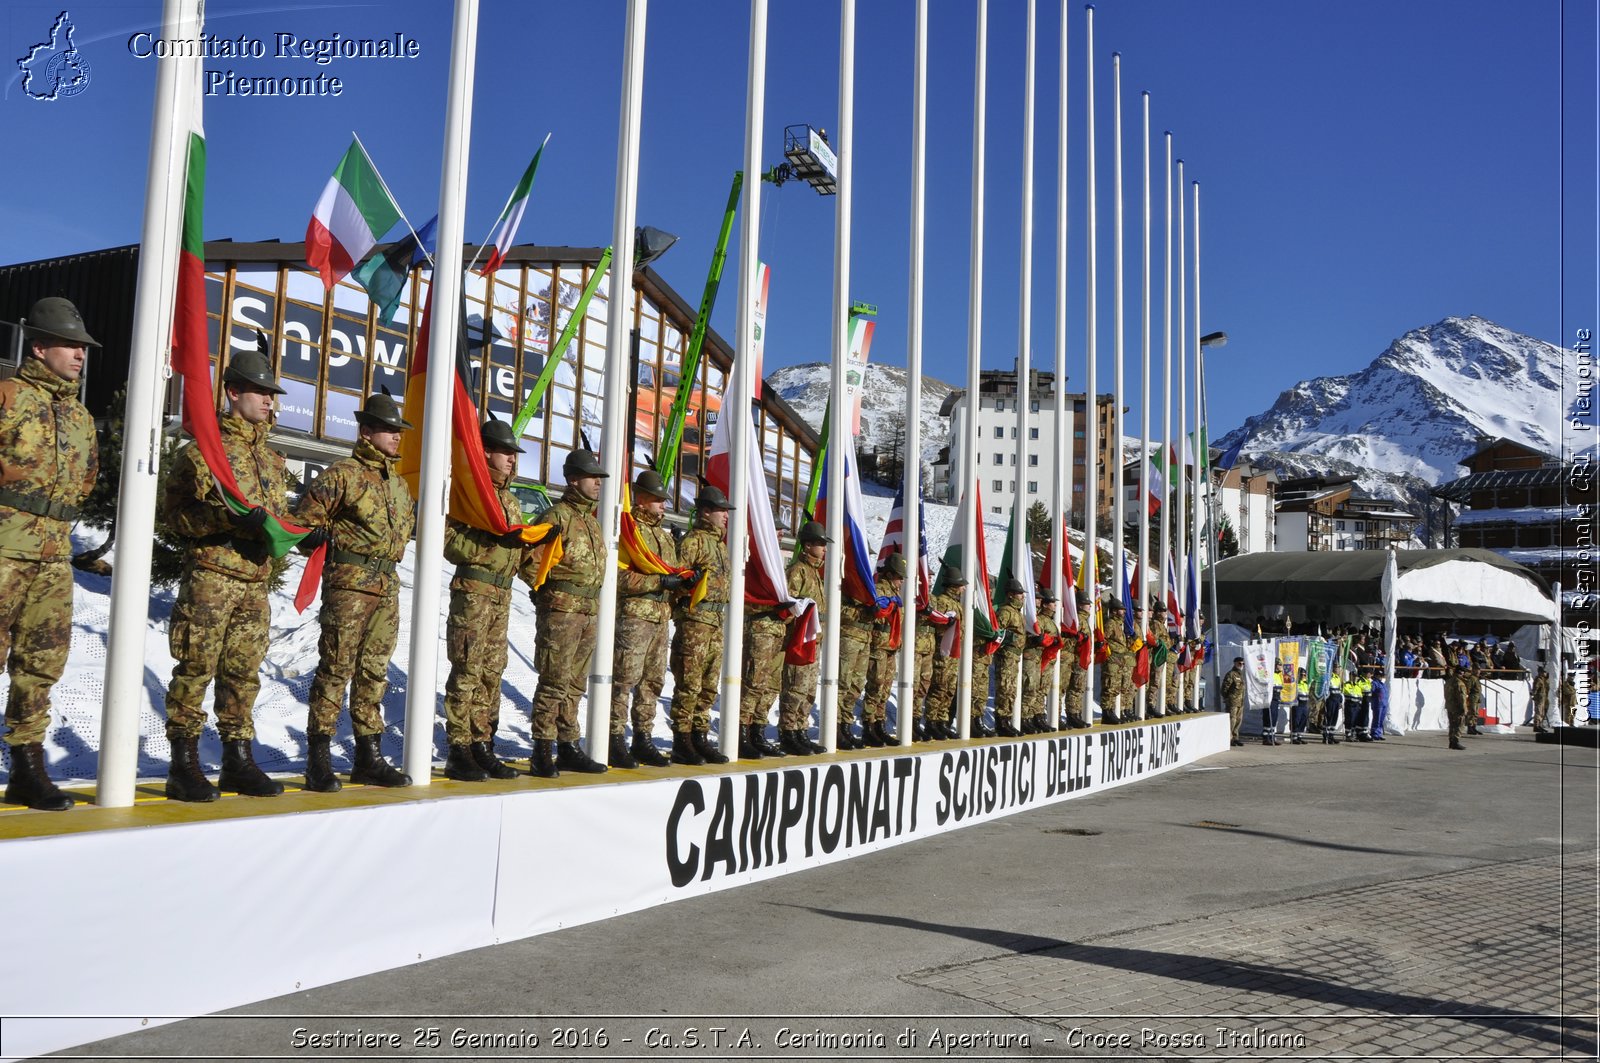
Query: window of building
[(999, 433), (1033, 487), (1034, 406), (1078, 488), (999, 459), (1013, 487), (1340, 525), (1033, 433), (1013, 459), (1077, 435), (997, 486), (1000, 405), (1033, 459), (1013, 433), (1078, 407), (995, 509)]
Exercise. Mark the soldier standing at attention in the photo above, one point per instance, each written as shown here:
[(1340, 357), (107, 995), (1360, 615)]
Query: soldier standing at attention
[(1009, 619), (1540, 697), (856, 623), (946, 666), (1075, 677), (799, 693), (480, 610), (1455, 701), (1035, 683), (221, 621), (644, 605), (1568, 694), (1161, 703), (981, 665), (48, 462), (1233, 700), (1117, 686), (367, 513), (568, 604), (764, 635), (697, 645), (882, 660)]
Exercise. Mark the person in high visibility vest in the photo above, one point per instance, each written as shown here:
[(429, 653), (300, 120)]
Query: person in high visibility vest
[(1331, 706), (1355, 714), (1301, 711), (1283, 695)]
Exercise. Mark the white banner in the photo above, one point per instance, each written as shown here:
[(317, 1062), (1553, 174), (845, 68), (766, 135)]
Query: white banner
[(1260, 661)]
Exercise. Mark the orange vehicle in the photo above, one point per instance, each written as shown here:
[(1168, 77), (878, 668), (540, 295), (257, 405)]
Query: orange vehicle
[(654, 398)]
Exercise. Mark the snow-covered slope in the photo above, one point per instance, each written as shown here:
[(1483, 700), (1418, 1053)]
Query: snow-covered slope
[(883, 403), (1421, 405)]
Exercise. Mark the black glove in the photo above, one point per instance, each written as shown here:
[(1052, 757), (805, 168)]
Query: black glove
[(252, 519), (691, 577), (673, 582), (1036, 640), (512, 538), (310, 543)]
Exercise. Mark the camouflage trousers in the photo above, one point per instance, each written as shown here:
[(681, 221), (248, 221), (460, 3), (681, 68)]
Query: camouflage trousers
[(980, 682), (219, 630), (35, 632), (1116, 680), (696, 674), (945, 676), (358, 636), (882, 665), (1075, 691), (921, 679), (561, 655), (1235, 717), (1008, 676), (1171, 670), (855, 654), (798, 697), (1035, 685), (641, 672), (475, 642), (763, 672)]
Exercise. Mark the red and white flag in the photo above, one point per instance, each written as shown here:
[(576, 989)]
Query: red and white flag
[(354, 211)]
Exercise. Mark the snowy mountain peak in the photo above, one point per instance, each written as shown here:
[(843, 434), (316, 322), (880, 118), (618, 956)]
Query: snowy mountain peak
[(883, 404)]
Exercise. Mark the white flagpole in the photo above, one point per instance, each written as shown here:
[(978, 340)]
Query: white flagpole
[(177, 88), (1091, 487), (1119, 488), (1168, 576), (1202, 459), (1021, 555), (974, 519), (433, 483), (617, 429), (1180, 512), (840, 434), (911, 474), (1061, 511), (740, 388), (1142, 605)]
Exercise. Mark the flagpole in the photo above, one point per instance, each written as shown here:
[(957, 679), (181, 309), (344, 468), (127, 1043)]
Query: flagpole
[(1168, 575), (177, 88), (741, 493), (1021, 555), (840, 433), (973, 519), (1202, 456), (1062, 444), (433, 481), (1180, 512), (911, 458), (618, 428), (1092, 406), (1118, 480), (1143, 590), (379, 175)]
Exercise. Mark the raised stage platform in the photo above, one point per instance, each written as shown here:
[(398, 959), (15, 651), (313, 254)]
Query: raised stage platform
[(125, 914)]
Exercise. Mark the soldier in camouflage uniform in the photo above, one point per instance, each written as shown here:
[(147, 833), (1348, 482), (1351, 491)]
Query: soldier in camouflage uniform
[(1117, 673), (765, 633), (856, 621), (1035, 676), (1075, 678), (882, 658), (368, 516), (1540, 697), (1009, 660), (697, 644), (943, 611), (799, 691), (1156, 701), (48, 463), (1455, 700), (1567, 695), (922, 676), (480, 614), (1233, 690), (568, 604), (221, 622), (644, 607), (981, 663)]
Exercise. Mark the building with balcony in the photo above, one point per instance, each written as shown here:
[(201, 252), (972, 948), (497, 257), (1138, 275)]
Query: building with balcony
[(1333, 513)]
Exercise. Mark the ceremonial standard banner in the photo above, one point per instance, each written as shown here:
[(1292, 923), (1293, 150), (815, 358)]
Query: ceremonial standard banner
[(1260, 659)]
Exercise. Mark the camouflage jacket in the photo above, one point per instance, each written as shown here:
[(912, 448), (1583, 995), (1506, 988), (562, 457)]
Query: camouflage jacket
[(1008, 618), (573, 585), (194, 507), (705, 550), (805, 581), (1541, 690), (1033, 656), (856, 620), (48, 455), (639, 594), (882, 628), (466, 546), (946, 601), (367, 510), (1233, 689)]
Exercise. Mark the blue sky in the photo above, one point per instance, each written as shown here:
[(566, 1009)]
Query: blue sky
[(1366, 168)]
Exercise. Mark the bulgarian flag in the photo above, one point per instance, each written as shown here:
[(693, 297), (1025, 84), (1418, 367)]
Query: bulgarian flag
[(354, 211), (505, 227), (191, 357)]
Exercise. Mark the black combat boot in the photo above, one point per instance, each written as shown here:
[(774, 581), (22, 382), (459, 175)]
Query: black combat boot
[(542, 765), (319, 768), (30, 784), (571, 757), (793, 741), (708, 750), (1005, 728), (462, 766), (185, 780), (240, 774), (919, 730), (483, 754), (845, 736), (758, 735), (871, 736), (619, 755), (979, 730), (1454, 744), (683, 751), (645, 751), (817, 748), (371, 768), (748, 749), (881, 729)]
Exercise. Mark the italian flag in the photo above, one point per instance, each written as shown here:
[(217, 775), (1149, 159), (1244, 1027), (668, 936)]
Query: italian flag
[(191, 358), (505, 227), (983, 631), (353, 212)]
